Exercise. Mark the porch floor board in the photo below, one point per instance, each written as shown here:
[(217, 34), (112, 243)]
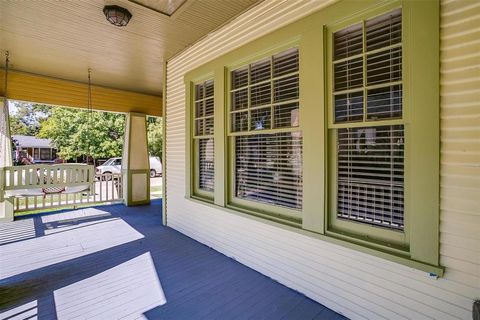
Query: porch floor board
[(117, 262)]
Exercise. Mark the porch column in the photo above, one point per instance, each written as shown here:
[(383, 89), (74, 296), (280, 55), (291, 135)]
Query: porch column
[(6, 205), (135, 162)]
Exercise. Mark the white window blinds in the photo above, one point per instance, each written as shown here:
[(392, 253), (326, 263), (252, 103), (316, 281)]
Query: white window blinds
[(367, 87), (264, 94), (203, 135), (368, 72), (269, 168), (264, 97), (370, 175)]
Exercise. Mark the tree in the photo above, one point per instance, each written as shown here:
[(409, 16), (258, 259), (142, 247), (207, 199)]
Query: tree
[(27, 118), (155, 136), (17, 127), (78, 133)]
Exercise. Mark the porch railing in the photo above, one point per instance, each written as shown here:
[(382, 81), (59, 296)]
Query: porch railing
[(39, 187)]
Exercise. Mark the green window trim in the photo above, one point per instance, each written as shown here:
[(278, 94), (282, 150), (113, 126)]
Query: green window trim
[(418, 246), (200, 133), (358, 230), (268, 128)]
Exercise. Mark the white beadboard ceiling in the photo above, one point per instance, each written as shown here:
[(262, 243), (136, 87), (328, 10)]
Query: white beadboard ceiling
[(63, 39)]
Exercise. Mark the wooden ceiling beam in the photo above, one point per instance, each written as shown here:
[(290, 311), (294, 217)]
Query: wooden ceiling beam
[(41, 89)]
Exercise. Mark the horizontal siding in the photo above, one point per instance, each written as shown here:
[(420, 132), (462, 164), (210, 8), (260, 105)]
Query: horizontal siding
[(357, 285), (460, 142)]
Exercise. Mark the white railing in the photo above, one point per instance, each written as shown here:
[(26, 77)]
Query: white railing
[(33, 177), (38, 187)]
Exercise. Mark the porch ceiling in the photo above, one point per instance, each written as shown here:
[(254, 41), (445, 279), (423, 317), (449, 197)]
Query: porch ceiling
[(62, 39)]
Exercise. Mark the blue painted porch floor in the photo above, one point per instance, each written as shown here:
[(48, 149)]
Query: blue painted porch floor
[(114, 262)]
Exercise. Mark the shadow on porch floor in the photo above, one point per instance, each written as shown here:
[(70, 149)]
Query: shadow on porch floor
[(115, 262)]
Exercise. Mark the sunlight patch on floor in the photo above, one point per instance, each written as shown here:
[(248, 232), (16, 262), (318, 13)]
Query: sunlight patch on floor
[(25, 311), (83, 238), (127, 290), (16, 231)]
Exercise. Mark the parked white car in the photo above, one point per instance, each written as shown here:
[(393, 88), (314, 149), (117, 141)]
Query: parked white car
[(114, 165)]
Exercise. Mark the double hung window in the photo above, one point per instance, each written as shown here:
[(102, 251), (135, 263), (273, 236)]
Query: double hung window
[(264, 132), (203, 138)]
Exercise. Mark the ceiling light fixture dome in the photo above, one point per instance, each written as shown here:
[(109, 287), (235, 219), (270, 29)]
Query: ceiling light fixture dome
[(117, 16)]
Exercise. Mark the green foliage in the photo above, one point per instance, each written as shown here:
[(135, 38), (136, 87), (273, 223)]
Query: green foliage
[(77, 133), (27, 119), (155, 136), (17, 126)]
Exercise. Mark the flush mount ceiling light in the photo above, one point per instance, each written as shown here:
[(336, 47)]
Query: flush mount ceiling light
[(117, 16)]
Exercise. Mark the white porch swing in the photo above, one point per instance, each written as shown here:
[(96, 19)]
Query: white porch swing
[(43, 180)]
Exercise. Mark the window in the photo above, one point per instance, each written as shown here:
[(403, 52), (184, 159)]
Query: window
[(203, 137), (368, 126), (264, 121), (45, 154), (328, 125)]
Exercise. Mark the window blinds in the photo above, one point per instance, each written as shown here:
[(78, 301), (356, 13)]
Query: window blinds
[(206, 164), (203, 135), (269, 168), (367, 87), (370, 175), (265, 96), (368, 74)]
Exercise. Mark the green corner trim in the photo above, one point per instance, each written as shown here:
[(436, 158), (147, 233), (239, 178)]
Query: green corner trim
[(164, 145)]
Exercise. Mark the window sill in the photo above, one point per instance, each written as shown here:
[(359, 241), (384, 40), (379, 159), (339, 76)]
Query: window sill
[(397, 256), (203, 199)]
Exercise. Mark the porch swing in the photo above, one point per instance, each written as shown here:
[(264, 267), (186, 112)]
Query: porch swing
[(43, 180)]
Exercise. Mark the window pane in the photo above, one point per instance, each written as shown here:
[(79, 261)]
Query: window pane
[(286, 88), (384, 103), (239, 121), (209, 107), (240, 78), (348, 74), (261, 94), (199, 127), (285, 62), (348, 42), (240, 99), (256, 88), (208, 88), (199, 109), (384, 30), (206, 170), (204, 109), (260, 71), (349, 107), (261, 119), (199, 91), (384, 66), (286, 115), (268, 169), (371, 175), (208, 126), (44, 154)]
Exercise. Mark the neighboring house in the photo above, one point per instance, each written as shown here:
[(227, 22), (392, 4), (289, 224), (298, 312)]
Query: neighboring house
[(37, 149)]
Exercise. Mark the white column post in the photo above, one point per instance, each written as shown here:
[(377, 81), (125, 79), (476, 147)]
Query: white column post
[(135, 161), (6, 204)]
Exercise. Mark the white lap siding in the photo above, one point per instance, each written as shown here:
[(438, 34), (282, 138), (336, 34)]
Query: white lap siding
[(355, 284)]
